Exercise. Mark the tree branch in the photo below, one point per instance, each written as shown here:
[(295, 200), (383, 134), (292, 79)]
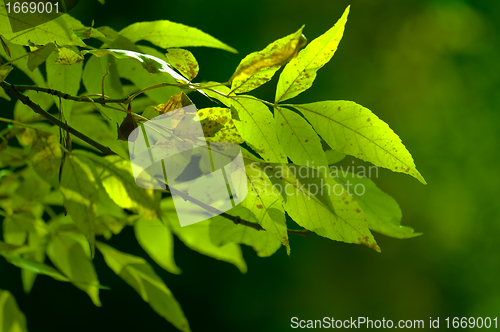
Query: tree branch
[(12, 90), (9, 88)]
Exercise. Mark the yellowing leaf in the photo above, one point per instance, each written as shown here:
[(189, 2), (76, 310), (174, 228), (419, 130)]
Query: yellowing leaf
[(197, 238), (300, 142), (67, 56), (354, 130), (257, 127), (79, 190), (177, 101), (57, 30), (13, 320), (157, 240), (184, 61), (140, 275), (68, 255), (259, 67), (166, 34), (218, 125), (299, 74)]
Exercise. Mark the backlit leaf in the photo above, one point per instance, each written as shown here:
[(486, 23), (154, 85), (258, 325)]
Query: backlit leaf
[(382, 211), (39, 56), (299, 140), (184, 61), (19, 52), (36, 267), (259, 67), (93, 74), (67, 56), (166, 34), (299, 74), (218, 125), (141, 276), (157, 240), (354, 130)]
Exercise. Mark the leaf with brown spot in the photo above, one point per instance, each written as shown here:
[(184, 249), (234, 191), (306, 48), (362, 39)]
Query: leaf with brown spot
[(259, 67), (184, 61), (218, 125), (177, 101)]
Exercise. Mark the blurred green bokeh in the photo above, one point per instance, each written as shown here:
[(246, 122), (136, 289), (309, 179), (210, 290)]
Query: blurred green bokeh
[(431, 70)]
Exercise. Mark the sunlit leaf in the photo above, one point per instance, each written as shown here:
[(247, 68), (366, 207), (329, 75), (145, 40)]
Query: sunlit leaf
[(57, 30), (141, 276), (218, 125), (166, 34), (259, 67), (354, 130), (299, 74), (298, 139), (67, 56), (184, 61), (157, 240)]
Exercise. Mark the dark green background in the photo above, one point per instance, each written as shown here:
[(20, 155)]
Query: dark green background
[(428, 68)]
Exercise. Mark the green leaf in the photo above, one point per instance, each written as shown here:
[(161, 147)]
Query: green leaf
[(131, 70), (299, 74), (56, 31), (24, 114), (157, 240), (319, 204), (36, 267), (19, 52), (197, 237), (116, 177), (68, 255), (166, 34), (258, 68), (224, 231), (141, 276), (257, 127), (298, 139), (65, 79), (93, 75), (67, 56), (40, 55), (151, 63), (79, 190), (184, 61), (354, 130), (218, 125), (113, 39), (45, 156), (13, 320), (265, 204), (382, 211)]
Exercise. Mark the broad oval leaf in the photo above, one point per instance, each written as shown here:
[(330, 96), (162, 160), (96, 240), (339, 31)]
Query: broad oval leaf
[(184, 61), (300, 142), (218, 125), (157, 240), (258, 68), (382, 211), (68, 255), (12, 319), (299, 74), (166, 34), (140, 275), (354, 130), (257, 127)]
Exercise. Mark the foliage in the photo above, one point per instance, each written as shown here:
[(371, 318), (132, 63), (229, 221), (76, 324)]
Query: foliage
[(68, 180)]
